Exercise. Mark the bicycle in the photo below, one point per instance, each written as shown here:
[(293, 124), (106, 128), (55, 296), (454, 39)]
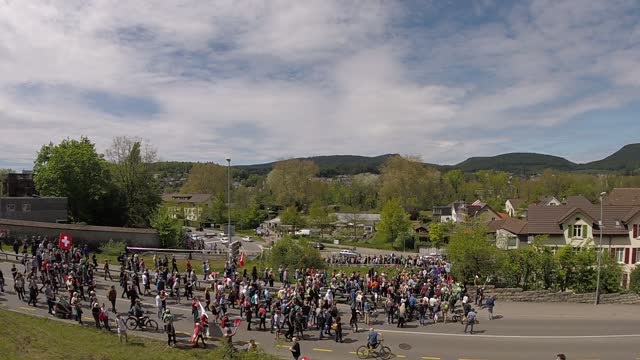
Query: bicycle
[(141, 323), (380, 351)]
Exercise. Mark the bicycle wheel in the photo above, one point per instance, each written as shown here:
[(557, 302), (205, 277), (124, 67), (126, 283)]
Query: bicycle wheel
[(362, 352), (151, 325), (132, 323), (385, 352)]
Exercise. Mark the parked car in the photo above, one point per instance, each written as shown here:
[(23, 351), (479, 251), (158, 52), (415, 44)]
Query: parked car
[(349, 253), (319, 246), (247, 239), (224, 240)]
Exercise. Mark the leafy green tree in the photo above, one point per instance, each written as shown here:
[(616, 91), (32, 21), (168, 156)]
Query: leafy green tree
[(471, 253), (292, 182), (320, 218), (437, 234), (292, 217), (394, 225), (169, 228), (207, 178), (411, 182), (74, 169), (634, 282), (131, 173), (216, 210), (295, 254), (248, 217), (454, 178)]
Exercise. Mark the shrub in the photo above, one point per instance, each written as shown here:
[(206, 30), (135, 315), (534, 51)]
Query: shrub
[(634, 282), (112, 248)]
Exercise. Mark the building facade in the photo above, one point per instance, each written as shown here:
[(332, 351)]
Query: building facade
[(42, 209)]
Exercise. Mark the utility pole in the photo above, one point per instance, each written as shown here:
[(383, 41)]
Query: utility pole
[(601, 226), (229, 208)]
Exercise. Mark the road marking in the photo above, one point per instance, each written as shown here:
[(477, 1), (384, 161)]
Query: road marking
[(283, 346), (27, 308), (322, 350), (514, 336), (400, 356), (430, 358), (353, 352), (182, 333)]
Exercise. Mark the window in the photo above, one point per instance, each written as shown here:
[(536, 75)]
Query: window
[(637, 259), (577, 231), (11, 207), (620, 255), (26, 207)]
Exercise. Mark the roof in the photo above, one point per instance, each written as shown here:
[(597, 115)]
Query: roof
[(623, 196), (578, 201), (37, 224), (503, 215), (444, 210), (350, 217), (515, 202), (548, 219), (186, 198), (546, 200), (478, 203), (514, 226)]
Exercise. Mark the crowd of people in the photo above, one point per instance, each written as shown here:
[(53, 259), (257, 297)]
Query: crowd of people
[(415, 261), (305, 301)]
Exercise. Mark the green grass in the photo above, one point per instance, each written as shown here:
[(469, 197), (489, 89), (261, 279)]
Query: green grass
[(28, 337)]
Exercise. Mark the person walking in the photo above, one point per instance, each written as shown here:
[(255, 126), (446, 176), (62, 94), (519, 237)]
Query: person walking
[(104, 317), (491, 302), (295, 349), (112, 295), (168, 318), (471, 320), (122, 328), (338, 329), (106, 270)]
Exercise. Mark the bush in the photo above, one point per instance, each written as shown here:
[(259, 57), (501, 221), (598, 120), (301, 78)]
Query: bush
[(295, 254), (634, 282)]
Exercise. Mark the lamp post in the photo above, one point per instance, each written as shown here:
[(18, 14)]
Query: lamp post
[(601, 226), (229, 208)]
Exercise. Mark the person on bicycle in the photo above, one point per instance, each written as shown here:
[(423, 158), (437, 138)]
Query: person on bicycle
[(372, 339), (137, 310)]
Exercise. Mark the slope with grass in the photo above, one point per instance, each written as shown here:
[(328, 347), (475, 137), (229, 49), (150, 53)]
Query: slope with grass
[(28, 337)]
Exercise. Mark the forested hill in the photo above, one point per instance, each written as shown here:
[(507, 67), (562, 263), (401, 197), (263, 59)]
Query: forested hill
[(331, 165), (626, 160), (517, 163)]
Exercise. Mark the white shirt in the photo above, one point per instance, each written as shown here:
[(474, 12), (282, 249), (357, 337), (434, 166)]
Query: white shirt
[(158, 301)]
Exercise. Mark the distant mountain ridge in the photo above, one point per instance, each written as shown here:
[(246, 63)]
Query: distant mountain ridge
[(625, 160)]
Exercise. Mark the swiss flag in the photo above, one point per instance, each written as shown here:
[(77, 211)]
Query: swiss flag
[(242, 259), (65, 242)]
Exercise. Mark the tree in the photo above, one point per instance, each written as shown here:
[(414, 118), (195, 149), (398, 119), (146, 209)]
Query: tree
[(411, 182), (454, 178), (131, 173), (248, 217), (74, 169), (290, 216), (206, 178), (291, 182), (634, 282), (169, 228), (471, 253), (437, 234), (320, 218), (394, 225), (294, 254)]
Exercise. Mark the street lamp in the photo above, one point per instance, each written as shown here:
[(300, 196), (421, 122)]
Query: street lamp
[(601, 226), (229, 207)]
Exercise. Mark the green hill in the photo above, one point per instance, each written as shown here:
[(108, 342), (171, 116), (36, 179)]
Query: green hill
[(332, 165), (626, 159), (520, 163)]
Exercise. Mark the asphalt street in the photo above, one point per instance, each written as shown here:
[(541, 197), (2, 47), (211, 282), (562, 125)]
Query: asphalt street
[(521, 331)]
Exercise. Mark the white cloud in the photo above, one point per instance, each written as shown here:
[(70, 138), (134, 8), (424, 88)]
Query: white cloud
[(262, 80)]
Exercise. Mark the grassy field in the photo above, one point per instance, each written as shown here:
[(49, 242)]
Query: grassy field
[(28, 337)]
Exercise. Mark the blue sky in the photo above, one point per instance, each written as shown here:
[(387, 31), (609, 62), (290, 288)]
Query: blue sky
[(264, 80)]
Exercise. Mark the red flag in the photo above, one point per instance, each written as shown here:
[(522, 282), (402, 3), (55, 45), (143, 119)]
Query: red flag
[(242, 259), (65, 242)]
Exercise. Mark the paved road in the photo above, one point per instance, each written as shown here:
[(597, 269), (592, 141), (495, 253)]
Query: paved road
[(523, 331)]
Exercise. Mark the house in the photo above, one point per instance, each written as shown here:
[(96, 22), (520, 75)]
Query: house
[(366, 221), (549, 201), (442, 213), (421, 230), (579, 226), (18, 185), (512, 207), (187, 206), (40, 209), (578, 201), (509, 233)]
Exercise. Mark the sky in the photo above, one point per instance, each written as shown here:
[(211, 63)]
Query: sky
[(259, 81)]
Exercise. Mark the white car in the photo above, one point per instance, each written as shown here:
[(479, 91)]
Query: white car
[(224, 240), (349, 253), (247, 239)]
